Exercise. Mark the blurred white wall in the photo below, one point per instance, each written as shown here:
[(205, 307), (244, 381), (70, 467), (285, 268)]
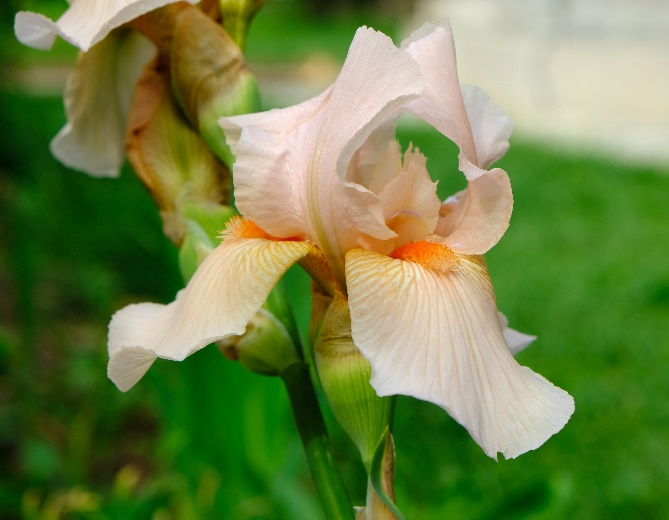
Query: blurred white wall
[(590, 75)]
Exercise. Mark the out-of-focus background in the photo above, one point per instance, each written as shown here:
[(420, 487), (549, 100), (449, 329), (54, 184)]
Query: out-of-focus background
[(583, 265)]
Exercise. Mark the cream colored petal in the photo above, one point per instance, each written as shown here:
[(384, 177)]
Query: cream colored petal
[(441, 104), (129, 365), (270, 188), (225, 292), (35, 30), (364, 208), (473, 220), (378, 160), (376, 80), (85, 23), (436, 336), (410, 202), (293, 164), (516, 341), (490, 126), (97, 101), (269, 172), (277, 123)]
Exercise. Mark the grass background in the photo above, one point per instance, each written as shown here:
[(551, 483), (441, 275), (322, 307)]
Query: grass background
[(583, 265)]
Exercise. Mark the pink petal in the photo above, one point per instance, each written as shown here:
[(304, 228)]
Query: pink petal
[(441, 104), (97, 102), (491, 128), (225, 292), (473, 220), (410, 202), (85, 23), (436, 335), (293, 164)]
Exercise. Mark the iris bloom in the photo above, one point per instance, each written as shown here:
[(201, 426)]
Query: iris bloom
[(98, 92), (324, 184)]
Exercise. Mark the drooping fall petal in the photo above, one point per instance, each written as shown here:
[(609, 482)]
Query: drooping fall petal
[(435, 335), (97, 101), (223, 295), (85, 23)]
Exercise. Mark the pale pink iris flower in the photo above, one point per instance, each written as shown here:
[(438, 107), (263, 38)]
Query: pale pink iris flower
[(324, 184), (99, 90)]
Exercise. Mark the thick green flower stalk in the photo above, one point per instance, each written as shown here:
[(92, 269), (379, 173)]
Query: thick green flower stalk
[(236, 15)]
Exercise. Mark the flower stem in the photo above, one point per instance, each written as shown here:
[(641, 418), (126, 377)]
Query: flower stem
[(330, 486)]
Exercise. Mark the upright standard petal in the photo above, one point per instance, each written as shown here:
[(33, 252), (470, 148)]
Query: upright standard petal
[(85, 23), (473, 220), (378, 160), (97, 102), (276, 123), (225, 292), (491, 128), (376, 81), (268, 174), (437, 337), (441, 104), (465, 115), (410, 202), (294, 162)]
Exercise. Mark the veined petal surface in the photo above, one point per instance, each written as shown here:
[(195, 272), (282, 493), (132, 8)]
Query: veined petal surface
[(97, 102), (85, 23), (437, 337), (225, 292)]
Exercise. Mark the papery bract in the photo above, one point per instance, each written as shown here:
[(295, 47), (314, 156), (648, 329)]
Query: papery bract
[(324, 183)]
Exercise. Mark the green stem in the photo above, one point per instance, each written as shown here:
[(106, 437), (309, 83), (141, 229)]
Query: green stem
[(330, 486)]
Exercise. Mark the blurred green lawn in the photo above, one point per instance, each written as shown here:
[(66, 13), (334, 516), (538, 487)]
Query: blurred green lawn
[(583, 265)]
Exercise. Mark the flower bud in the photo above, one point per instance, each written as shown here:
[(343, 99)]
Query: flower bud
[(265, 347), (170, 158), (344, 375), (209, 77)]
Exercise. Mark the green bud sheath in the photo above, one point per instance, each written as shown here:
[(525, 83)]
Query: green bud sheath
[(209, 77), (265, 348), (344, 374)]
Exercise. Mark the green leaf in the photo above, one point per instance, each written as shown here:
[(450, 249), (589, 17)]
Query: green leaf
[(376, 474)]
